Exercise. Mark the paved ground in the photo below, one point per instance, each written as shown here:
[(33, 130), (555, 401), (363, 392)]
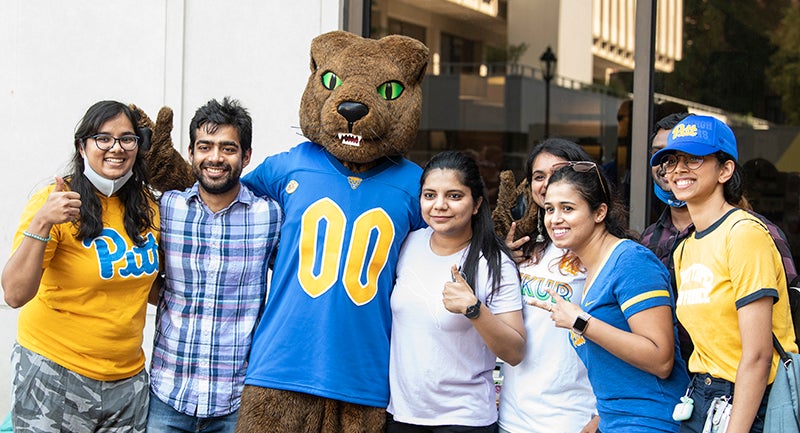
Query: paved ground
[(8, 331)]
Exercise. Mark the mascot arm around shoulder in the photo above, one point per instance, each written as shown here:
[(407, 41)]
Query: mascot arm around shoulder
[(320, 354)]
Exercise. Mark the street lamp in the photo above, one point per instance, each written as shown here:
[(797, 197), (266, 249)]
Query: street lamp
[(548, 60)]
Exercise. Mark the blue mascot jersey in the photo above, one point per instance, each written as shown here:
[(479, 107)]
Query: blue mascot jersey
[(326, 326)]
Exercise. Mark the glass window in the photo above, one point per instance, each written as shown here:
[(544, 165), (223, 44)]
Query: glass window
[(485, 91)]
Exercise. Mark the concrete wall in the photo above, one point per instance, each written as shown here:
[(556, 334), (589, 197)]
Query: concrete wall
[(60, 56)]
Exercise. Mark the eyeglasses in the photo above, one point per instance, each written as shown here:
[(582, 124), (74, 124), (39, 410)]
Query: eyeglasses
[(670, 162), (107, 141), (583, 167)]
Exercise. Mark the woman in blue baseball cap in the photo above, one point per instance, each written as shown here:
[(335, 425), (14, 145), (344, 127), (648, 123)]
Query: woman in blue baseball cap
[(732, 293)]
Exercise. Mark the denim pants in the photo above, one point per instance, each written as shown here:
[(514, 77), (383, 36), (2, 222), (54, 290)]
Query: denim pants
[(162, 418), (704, 389)]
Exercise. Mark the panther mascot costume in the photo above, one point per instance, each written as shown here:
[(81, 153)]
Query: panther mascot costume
[(320, 355)]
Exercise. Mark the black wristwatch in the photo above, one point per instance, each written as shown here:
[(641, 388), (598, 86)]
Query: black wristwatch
[(579, 327), (473, 311)]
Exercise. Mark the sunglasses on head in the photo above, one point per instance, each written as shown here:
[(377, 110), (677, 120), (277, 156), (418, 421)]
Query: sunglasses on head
[(583, 167)]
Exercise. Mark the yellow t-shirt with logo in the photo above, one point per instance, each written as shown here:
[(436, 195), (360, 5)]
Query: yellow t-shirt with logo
[(719, 270), (89, 312)]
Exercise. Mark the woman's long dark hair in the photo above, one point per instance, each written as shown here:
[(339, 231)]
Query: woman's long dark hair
[(568, 151), (588, 186), (134, 195), (484, 240)]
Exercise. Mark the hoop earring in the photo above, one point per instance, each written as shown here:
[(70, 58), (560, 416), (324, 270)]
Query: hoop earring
[(540, 236)]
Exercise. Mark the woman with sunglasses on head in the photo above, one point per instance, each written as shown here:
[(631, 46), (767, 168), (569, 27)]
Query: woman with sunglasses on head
[(623, 328), (732, 295), (455, 308), (84, 258), (549, 390)]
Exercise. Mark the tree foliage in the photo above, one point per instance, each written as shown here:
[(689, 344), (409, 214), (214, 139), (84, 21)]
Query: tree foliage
[(784, 71), (727, 53)]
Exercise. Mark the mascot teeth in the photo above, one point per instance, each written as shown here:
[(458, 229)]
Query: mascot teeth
[(350, 139)]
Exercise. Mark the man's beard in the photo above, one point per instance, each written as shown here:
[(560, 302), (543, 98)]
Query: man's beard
[(216, 187)]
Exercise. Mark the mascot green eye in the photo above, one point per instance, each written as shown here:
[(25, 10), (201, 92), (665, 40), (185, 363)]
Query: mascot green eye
[(390, 90), (330, 81)]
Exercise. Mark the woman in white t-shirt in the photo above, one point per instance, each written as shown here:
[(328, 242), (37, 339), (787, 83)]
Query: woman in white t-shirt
[(549, 391), (456, 306)]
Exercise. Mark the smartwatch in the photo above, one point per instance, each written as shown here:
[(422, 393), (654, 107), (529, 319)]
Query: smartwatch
[(473, 311), (579, 327)]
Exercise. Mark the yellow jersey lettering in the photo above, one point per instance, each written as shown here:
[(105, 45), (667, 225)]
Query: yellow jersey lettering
[(365, 257)]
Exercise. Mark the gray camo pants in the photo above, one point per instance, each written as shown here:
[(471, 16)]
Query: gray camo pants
[(50, 398)]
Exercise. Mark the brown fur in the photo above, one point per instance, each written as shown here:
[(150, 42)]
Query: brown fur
[(389, 128), (507, 196), (277, 411), (168, 169)]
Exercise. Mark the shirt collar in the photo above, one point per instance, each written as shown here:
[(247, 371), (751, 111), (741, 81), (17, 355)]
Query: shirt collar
[(665, 221), (245, 196)]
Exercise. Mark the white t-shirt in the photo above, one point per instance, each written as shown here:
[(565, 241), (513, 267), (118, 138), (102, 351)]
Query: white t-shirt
[(440, 369), (549, 391)]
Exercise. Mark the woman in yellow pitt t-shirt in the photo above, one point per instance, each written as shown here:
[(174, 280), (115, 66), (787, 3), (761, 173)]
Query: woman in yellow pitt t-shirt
[(732, 294), (84, 257)]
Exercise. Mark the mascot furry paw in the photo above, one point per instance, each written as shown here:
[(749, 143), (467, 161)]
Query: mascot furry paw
[(168, 169), (515, 205), (320, 355)]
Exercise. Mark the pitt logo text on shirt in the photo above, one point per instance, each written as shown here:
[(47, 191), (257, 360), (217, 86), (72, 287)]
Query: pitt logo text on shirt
[(111, 248)]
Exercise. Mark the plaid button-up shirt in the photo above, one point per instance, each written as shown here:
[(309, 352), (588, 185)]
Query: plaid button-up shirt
[(213, 295)]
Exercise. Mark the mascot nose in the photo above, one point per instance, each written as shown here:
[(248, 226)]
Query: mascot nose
[(352, 111)]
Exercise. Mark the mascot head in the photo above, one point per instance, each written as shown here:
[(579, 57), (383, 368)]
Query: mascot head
[(363, 99)]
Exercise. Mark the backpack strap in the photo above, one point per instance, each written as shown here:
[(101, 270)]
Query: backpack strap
[(785, 358)]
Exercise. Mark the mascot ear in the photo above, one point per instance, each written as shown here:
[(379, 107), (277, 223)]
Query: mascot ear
[(410, 54), (329, 45), (145, 134)]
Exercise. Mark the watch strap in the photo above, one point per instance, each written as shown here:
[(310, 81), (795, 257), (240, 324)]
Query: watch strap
[(473, 311), (579, 327)]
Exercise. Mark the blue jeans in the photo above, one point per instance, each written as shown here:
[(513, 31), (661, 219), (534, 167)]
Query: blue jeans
[(162, 418), (705, 388)]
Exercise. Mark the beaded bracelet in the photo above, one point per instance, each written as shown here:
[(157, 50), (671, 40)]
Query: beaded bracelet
[(37, 237)]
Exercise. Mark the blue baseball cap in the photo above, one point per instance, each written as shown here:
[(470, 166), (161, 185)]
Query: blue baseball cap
[(699, 136)]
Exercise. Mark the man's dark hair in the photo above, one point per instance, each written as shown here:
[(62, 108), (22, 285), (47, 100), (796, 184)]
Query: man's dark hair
[(667, 123), (214, 114)]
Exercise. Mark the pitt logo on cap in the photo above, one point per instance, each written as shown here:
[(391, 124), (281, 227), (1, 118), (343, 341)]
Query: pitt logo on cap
[(684, 131)]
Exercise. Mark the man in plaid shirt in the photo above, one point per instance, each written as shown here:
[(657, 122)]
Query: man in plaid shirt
[(217, 240)]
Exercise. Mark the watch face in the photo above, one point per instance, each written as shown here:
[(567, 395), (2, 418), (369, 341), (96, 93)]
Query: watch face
[(580, 325), (473, 311)]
